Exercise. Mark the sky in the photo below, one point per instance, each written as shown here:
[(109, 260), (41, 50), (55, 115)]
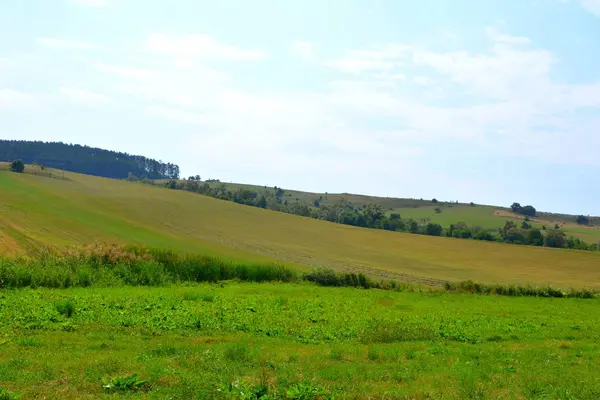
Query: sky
[(489, 101)]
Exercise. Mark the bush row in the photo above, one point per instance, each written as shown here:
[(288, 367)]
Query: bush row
[(329, 277)]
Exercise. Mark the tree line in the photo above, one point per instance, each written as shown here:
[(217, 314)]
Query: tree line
[(86, 160), (373, 216)]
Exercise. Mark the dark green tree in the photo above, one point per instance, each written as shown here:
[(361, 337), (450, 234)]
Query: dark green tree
[(395, 217), (583, 220), (432, 229), (17, 166), (516, 208), (555, 238), (530, 211), (534, 237)]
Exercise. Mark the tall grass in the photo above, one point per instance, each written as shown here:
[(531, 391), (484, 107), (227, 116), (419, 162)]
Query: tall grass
[(114, 266)]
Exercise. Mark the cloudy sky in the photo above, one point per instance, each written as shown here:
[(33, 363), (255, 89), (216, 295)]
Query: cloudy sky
[(491, 101)]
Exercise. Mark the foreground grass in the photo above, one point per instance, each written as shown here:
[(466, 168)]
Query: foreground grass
[(237, 340), (35, 211)]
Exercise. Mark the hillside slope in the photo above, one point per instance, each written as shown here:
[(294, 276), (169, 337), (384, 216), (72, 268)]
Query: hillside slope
[(82, 209), (424, 211)]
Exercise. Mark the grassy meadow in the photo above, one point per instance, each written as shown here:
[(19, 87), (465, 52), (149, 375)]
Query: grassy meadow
[(36, 211), (295, 341)]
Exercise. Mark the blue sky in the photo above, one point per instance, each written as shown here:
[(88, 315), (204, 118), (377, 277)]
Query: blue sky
[(488, 101)]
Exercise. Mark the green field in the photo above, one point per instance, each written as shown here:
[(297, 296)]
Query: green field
[(192, 342), (79, 210)]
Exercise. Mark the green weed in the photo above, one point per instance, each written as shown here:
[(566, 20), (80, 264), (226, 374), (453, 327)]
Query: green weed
[(237, 352), (65, 307), (6, 395), (125, 384)]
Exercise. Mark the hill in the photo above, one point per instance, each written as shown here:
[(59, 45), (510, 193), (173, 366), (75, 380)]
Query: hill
[(80, 209), (424, 211), (86, 160)]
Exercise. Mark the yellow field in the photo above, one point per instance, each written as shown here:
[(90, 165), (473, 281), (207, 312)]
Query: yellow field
[(81, 209)]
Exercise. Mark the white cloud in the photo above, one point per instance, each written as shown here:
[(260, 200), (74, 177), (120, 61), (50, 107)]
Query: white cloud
[(66, 44), (496, 36), (200, 46), (379, 59), (384, 103), (305, 51), (92, 3), (592, 6), (84, 97)]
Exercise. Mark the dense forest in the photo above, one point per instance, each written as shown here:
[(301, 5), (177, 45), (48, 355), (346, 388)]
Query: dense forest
[(86, 160), (373, 216)]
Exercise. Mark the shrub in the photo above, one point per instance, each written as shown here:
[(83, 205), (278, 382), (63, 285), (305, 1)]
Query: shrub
[(512, 290)]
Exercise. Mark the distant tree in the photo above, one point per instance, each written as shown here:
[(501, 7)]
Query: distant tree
[(459, 230), (583, 220), (198, 178), (86, 160), (529, 211), (262, 202), (555, 238), (395, 217), (373, 214), (481, 234), (472, 204), (191, 185), (433, 229), (434, 201), (508, 225), (534, 237), (171, 184), (516, 208), (438, 210), (317, 203), (413, 227), (17, 166), (525, 225)]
